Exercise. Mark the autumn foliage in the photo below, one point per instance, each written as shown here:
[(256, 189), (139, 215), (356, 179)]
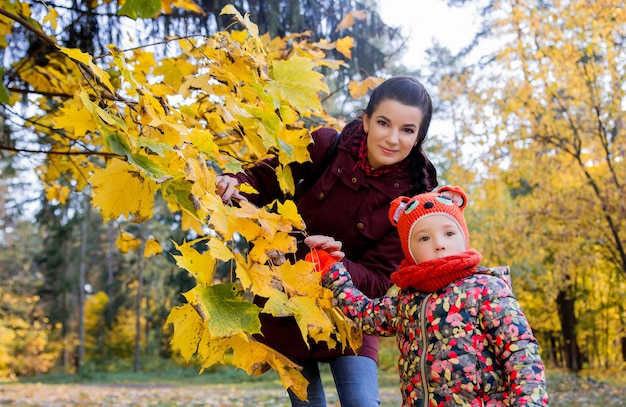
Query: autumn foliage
[(143, 131), (130, 126)]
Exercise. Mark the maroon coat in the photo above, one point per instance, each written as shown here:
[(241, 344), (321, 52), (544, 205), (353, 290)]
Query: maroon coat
[(352, 208)]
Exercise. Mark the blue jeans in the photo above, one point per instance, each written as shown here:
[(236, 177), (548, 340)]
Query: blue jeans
[(356, 380)]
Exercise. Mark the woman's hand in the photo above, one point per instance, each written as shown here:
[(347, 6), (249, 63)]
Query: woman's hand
[(332, 246), (226, 188)]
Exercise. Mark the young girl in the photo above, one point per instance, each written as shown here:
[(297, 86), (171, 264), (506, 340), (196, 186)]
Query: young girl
[(462, 336), (380, 156)]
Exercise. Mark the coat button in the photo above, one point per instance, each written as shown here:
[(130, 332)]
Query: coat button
[(320, 195), (359, 226), (354, 180), (396, 185), (339, 170)]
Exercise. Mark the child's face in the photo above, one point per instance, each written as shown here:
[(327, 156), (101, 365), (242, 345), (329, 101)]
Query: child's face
[(434, 237)]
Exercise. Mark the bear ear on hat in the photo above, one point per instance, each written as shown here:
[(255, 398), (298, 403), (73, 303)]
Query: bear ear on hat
[(396, 208), (455, 193)]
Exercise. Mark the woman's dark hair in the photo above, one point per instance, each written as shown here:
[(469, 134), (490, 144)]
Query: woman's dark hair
[(409, 91)]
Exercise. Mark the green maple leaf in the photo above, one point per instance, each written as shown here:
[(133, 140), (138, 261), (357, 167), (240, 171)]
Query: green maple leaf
[(4, 93), (227, 311), (140, 8)]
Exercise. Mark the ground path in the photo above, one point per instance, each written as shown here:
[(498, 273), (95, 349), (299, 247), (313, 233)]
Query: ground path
[(145, 395)]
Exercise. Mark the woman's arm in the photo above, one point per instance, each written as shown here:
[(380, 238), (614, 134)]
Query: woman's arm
[(371, 272), (262, 175)]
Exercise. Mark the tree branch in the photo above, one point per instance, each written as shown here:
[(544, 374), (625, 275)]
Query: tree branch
[(29, 26), (5, 147)]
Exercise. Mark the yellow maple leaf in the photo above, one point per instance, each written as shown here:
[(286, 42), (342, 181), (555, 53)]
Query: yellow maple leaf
[(289, 211), (257, 277), (298, 141), (345, 45), (120, 189), (279, 305), (282, 242), (127, 242), (51, 17), (259, 251), (188, 5), (295, 80), (188, 222), (213, 350), (273, 223), (312, 320), (347, 331), (188, 329), (57, 191), (87, 59), (200, 265), (247, 188), (285, 179), (359, 89), (75, 117), (152, 248), (247, 228), (300, 279), (202, 139), (226, 221), (349, 20), (311, 305), (252, 28), (333, 64), (219, 250), (253, 356)]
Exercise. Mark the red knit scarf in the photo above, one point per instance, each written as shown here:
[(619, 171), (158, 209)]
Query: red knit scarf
[(433, 275)]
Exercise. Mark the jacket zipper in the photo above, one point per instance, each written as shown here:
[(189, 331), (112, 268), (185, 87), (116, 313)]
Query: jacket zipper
[(424, 343)]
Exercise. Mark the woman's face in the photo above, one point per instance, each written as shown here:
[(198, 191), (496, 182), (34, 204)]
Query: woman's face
[(392, 132)]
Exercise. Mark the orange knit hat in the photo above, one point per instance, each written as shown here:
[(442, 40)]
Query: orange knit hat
[(405, 212)]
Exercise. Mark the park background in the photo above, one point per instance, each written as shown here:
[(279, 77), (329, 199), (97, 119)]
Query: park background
[(529, 99)]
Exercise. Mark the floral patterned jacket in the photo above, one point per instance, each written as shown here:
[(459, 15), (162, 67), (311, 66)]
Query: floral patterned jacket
[(470, 340)]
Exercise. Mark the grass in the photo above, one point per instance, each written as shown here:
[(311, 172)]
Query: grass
[(587, 388)]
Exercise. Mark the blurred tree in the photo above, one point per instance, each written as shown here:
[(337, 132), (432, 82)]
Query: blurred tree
[(134, 129), (27, 340), (544, 109)]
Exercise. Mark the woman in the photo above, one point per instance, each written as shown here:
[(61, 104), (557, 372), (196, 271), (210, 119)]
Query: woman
[(379, 158)]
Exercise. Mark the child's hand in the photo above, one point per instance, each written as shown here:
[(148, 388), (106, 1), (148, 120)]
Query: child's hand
[(322, 259)]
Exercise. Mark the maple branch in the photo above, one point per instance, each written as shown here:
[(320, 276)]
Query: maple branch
[(162, 42), (35, 124), (53, 152), (82, 66), (91, 11), (28, 25), (23, 91)]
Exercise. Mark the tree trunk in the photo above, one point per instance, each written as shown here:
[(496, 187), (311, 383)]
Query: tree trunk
[(110, 272), (565, 304), (555, 349), (138, 302), (69, 307), (82, 270)]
